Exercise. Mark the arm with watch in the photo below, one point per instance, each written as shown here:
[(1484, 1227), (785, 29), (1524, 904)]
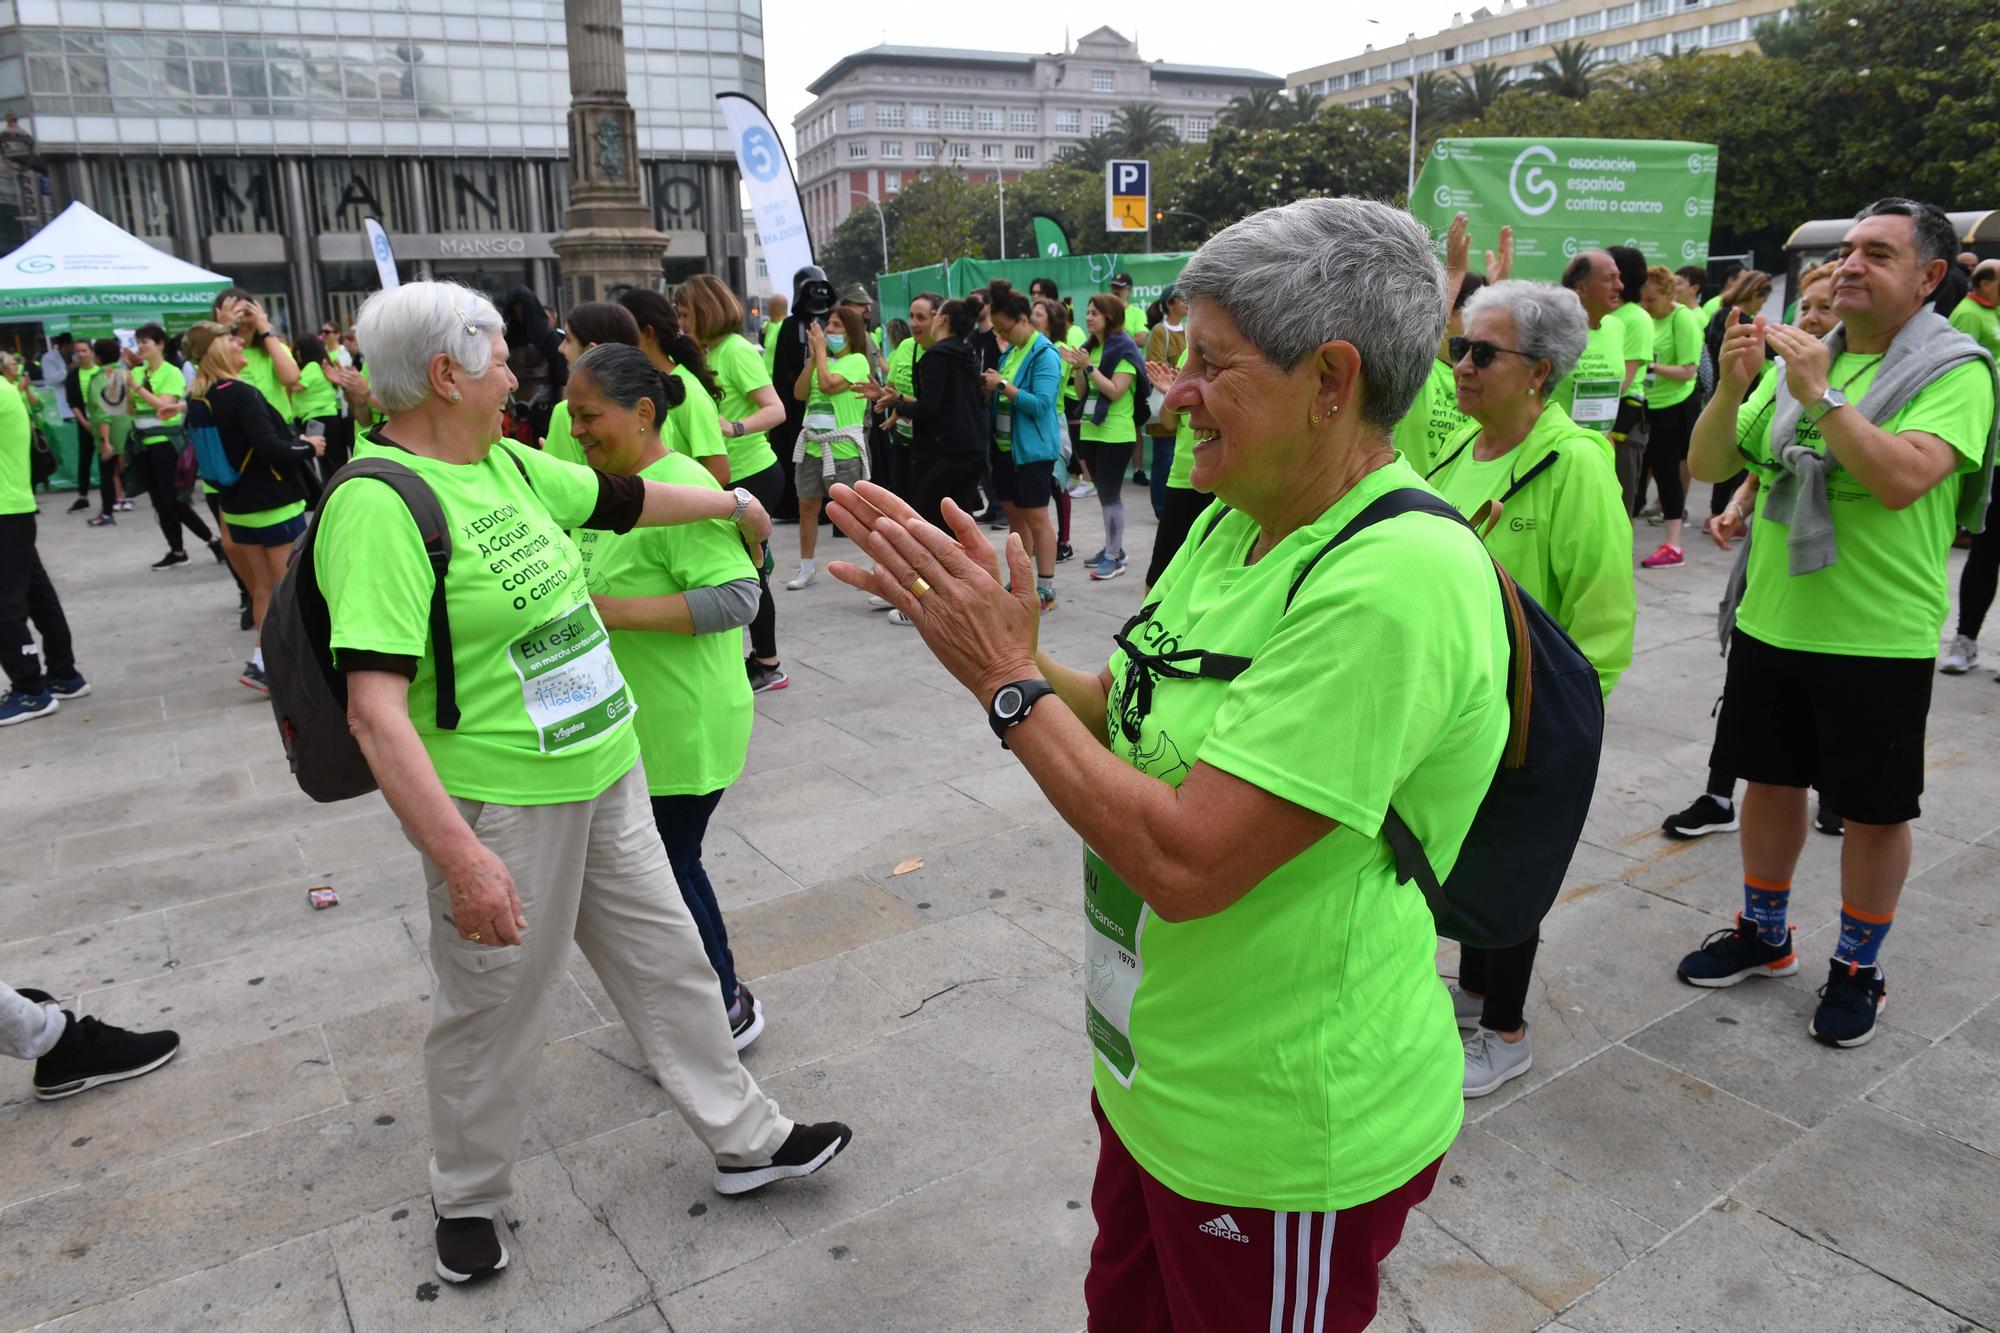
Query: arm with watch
[(709, 608)]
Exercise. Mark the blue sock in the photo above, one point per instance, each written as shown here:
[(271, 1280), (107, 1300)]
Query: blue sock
[(1765, 903), (1861, 936)]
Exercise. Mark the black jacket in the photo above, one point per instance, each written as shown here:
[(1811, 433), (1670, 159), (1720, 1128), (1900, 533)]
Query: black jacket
[(258, 442), (948, 414), (788, 359)]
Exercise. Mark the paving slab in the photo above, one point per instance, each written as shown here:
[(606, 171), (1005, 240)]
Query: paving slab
[(294, 1287), (1950, 1087)]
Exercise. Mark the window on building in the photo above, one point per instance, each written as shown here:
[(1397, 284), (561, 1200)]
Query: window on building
[(240, 194), (1021, 122), (1555, 31), (857, 115), (1069, 122), (1722, 34), (1399, 69), (857, 149), (961, 152), (1591, 22), (1474, 50), (958, 117), (1427, 60), (926, 151), (889, 115), (990, 152), (1651, 46), (990, 118), (1100, 121), (1500, 43), (1619, 16), (892, 181), (924, 116), (892, 148), (132, 192), (1530, 36), (1377, 73), (1102, 81), (1197, 129), (1024, 152), (1653, 9)]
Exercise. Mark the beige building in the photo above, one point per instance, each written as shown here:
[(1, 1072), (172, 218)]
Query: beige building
[(1517, 34), (893, 112)]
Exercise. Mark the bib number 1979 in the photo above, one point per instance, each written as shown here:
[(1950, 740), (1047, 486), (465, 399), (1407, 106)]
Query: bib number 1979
[(1115, 917)]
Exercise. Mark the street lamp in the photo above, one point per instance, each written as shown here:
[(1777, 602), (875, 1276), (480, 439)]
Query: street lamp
[(880, 217), (1162, 214)]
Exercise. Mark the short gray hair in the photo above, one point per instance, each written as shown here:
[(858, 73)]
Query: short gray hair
[(1316, 271), (402, 328), (1549, 323)]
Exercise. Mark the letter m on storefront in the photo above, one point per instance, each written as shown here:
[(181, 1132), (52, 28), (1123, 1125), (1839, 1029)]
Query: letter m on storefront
[(1128, 195)]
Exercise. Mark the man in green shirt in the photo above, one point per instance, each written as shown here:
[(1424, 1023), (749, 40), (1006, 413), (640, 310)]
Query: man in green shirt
[(26, 594), (1830, 674), (1978, 315), (1135, 311)]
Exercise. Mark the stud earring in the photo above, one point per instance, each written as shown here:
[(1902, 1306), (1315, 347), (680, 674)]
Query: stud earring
[(1316, 418), (455, 397), (1331, 410)]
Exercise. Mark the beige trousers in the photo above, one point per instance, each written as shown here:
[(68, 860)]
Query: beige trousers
[(596, 872)]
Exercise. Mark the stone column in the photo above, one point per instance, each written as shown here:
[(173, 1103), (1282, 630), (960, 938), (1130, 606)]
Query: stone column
[(608, 237)]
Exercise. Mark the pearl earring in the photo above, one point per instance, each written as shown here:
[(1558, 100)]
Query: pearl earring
[(455, 397)]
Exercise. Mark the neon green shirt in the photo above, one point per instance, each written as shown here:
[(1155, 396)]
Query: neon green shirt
[(17, 493), (903, 379), (559, 442), (694, 719), (259, 370), (1589, 394), (1708, 309), (1181, 476), (1011, 362), (1432, 419), (317, 398), (1295, 1051), (84, 381), (164, 382), (771, 327), (1636, 328), (1135, 322), (740, 370), (1676, 342), (544, 708), (693, 428), (1978, 322), (1887, 595), (846, 410), (1076, 337), (1118, 427), (1564, 537)]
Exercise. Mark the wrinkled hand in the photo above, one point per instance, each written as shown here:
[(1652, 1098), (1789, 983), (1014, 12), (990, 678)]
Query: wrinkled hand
[(1457, 245), (1725, 525), (1500, 266), (1807, 360), (981, 633), (1163, 375), (484, 902), (1742, 356)]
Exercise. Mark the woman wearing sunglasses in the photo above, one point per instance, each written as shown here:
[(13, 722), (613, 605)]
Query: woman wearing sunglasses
[(1539, 489)]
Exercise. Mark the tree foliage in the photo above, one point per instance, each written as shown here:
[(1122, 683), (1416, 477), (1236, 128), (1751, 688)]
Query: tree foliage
[(1570, 71), (1140, 129)]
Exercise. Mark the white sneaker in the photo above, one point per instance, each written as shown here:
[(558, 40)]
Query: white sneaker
[(1465, 1008), (1489, 1061), (807, 573), (876, 603), (1083, 490), (1959, 656), (898, 618)]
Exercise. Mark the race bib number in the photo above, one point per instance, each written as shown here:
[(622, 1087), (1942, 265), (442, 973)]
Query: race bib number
[(569, 680), (1596, 404), (1003, 424), (820, 417), (1114, 917)]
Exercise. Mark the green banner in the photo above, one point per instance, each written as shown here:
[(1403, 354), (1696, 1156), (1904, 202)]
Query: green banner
[(1050, 240), (1075, 276), (1565, 196)]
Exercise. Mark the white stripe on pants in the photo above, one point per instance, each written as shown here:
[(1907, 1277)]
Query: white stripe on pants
[(1298, 1278), (593, 871), (28, 1030)]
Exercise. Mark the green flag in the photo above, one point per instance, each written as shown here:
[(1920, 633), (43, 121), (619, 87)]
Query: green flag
[(1565, 196), (1050, 242)]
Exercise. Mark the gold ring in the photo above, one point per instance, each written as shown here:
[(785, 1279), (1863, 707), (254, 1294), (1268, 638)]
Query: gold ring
[(918, 588), (474, 937)]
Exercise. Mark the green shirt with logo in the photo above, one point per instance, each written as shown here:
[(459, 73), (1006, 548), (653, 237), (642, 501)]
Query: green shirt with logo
[(317, 399), (259, 370), (1119, 425), (695, 702), (1887, 594), (1181, 476), (1676, 342), (740, 370), (1432, 420), (162, 381), (846, 410), (17, 493), (545, 709), (1635, 327), (903, 379), (1588, 395), (693, 429), (1296, 1051)]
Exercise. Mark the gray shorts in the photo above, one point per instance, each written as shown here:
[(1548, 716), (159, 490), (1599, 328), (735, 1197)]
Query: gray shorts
[(809, 476)]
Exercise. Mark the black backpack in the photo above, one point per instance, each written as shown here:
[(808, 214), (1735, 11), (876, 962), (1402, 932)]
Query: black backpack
[(308, 696), (1518, 849)]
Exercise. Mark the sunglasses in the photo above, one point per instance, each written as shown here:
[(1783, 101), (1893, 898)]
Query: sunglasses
[(1482, 352)]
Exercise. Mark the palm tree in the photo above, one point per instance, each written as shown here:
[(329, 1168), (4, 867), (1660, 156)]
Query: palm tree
[(1474, 97), (1570, 71), (1258, 109), (1300, 107), (1139, 129), (1437, 101)]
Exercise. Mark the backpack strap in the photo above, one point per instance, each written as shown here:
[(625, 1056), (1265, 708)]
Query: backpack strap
[(1548, 461), (425, 511), (1452, 457), (1143, 670), (1402, 500), (1215, 522)]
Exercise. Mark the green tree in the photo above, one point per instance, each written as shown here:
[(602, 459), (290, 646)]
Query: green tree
[(1301, 106), (1140, 130), (1570, 71), (1437, 102), (1475, 96), (1257, 109), (1340, 151)]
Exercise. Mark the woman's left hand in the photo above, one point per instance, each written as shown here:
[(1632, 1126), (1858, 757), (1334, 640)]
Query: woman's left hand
[(981, 633), (989, 380)]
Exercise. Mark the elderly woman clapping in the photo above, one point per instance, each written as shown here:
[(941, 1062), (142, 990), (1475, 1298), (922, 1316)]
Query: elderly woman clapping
[(514, 767), (1557, 524), (1271, 1045)]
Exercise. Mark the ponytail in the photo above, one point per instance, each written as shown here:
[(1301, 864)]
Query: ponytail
[(657, 315)]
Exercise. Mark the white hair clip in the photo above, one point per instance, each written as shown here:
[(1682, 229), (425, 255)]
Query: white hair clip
[(465, 322)]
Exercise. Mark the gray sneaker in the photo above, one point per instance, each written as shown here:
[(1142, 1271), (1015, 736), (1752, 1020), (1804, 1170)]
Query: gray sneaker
[(1489, 1061), (1465, 1008), (1959, 656)]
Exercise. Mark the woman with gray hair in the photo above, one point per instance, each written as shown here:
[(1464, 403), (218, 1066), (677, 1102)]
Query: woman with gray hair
[(513, 763), (1538, 488), (1276, 1075)]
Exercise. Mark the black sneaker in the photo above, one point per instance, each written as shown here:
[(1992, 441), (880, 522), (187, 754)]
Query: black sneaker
[(171, 560), (253, 676), (1728, 956), (1706, 815), (765, 677), (82, 502), (245, 618), (1828, 821), (1848, 1004), (805, 1150), (468, 1247), (90, 1053), (1064, 551), (748, 1025)]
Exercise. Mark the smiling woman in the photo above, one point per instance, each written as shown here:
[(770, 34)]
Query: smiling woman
[(1256, 975)]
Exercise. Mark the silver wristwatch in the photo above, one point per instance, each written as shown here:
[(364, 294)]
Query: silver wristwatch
[(742, 505), (1826, 402)]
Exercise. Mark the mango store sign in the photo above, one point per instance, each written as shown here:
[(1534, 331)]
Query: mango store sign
[(1565, 196)]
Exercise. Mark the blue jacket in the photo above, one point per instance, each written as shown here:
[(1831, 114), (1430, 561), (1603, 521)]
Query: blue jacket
[(1119, 347), (1039, 428)]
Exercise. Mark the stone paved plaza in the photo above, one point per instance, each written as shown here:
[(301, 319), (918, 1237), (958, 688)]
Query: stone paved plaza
[(1677, 1159)]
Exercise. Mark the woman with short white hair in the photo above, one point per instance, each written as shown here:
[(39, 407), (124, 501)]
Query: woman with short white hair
[(514, 768)]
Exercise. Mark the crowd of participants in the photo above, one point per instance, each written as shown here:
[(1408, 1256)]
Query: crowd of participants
[(1302, 673)]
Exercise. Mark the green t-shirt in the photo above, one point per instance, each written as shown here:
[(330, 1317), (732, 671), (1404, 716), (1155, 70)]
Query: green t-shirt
[(1564, 537), (559, 442), (1432, 419), (1135, 322), (1076, 337), (1011, 361), (1887, 594), (1708, 309), (543, 706), (164, 382), (1181, 476), (1588, 395), (1636, 329), (740, 370), (1118, 427), (771, 327), (317, 398), (846, 410), (903, 379), (1676, 342), (1295, 1051), (259, 370), (1978, 322), (693, 428), (694, 717), (17, 494)]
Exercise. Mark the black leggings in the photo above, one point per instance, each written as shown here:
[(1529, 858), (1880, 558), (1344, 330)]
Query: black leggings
[(1183, 507), (173, 512), (1982, 572), (86, 453), (1666, 450), (26, 596), (1501, 976), (942, 475), (769, 488)]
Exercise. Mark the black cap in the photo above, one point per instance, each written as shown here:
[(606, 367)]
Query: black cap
[(1121, 280)]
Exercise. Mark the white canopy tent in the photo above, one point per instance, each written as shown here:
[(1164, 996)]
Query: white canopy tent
[(82, 265)]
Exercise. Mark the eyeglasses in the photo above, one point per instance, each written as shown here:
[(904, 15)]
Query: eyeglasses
[(328, 331), (1482, 352)]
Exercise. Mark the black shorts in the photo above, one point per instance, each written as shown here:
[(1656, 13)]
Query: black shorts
[(1026, 485), (1853, 727)]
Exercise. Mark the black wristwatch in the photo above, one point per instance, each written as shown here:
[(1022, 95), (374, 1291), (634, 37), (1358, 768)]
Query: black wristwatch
[(1012, 703)]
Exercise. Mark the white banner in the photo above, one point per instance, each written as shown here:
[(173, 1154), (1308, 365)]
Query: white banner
[(774, 192), (385, 258)]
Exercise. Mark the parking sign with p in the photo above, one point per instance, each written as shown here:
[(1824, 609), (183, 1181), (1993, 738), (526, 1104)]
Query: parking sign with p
[(1128, 195)]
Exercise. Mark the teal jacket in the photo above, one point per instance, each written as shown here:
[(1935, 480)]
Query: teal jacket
[(1039, 428)]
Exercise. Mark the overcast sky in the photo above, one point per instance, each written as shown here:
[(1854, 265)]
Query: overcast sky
[(803, 40)]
